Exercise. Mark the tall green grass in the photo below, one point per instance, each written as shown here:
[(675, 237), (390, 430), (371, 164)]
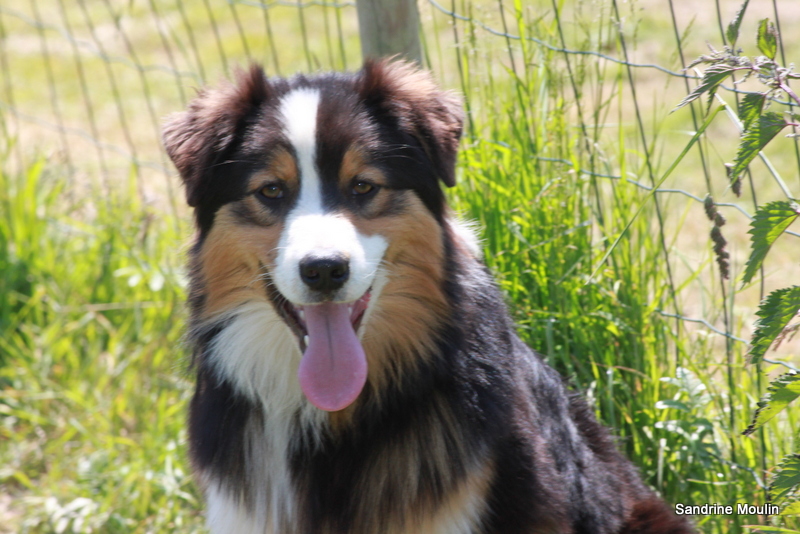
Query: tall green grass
[(92, 384), (92, 389)]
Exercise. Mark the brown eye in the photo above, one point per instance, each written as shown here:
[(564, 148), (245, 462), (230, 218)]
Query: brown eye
[(362, 188), (271, 191)]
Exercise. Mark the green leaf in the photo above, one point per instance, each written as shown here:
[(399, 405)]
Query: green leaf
[(669, 403), (782, 391), (792, 509), (754, 139), (767, 38), (771, 530), (770, 221), (751, 107), (733, 27), (774, 314), (712, 78), (787, 479)]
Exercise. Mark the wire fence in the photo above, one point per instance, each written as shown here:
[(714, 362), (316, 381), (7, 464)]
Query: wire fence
[(87, 84)]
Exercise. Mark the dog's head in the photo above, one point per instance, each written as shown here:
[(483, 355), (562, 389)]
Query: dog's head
[(322, 196)]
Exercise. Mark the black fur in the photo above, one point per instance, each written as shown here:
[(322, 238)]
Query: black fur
[(480, 400)]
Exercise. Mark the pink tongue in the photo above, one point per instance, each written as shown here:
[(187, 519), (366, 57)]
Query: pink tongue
[(334, 368)]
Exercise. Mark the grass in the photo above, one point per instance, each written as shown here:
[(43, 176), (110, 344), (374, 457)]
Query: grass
[(93, 392), (93, 387)]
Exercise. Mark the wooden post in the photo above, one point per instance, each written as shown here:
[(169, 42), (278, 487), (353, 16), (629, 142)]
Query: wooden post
[(389, 27)]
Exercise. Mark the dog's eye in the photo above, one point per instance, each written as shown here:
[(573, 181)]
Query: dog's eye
[(362, 188), (271, 191)]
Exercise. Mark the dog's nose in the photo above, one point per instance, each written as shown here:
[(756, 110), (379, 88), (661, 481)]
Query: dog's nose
[(325, 273)]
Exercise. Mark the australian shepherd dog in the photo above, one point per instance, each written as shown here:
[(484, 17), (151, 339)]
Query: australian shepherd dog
[(357, 369)]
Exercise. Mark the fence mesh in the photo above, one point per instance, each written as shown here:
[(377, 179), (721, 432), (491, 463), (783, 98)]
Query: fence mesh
[(86, 84)]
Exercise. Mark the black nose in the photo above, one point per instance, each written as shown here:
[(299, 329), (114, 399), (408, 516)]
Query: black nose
[(326, 273)]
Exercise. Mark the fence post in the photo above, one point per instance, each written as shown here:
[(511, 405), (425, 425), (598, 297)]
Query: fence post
[(389, 27)]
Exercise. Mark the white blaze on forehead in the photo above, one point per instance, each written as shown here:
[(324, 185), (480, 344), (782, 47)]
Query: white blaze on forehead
[(299, 112)]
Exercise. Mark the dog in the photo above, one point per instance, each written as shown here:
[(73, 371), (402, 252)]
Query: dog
[(357, 369)]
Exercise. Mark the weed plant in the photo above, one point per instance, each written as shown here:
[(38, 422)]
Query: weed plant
[(92, 385)]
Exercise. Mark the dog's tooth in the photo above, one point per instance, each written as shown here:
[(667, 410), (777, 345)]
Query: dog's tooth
[(305, 339), (302, 315)]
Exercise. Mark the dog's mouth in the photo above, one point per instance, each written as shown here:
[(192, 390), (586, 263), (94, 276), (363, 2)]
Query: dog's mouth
[(295, 316), (333, 369)]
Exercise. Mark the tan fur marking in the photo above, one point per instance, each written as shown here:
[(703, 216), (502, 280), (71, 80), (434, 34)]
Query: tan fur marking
[(352, 164), (412, 303), (395, 498), (462, 508), (282, 166), (229, 262)]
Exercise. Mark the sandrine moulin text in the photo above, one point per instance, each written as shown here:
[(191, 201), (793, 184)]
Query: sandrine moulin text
[(727, 509)]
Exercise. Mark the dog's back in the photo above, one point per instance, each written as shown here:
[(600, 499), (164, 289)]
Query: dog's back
[(357, 369)]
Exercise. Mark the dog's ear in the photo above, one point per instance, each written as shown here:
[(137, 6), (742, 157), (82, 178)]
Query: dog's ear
[(433, 116), (202, 136)]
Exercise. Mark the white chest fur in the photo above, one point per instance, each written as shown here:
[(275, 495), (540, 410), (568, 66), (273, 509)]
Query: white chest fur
[(258, 355)]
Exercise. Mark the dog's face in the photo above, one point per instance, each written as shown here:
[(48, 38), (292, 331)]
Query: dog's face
[(321, 196)]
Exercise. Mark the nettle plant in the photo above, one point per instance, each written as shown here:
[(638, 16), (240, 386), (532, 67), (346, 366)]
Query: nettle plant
[(779, 311)]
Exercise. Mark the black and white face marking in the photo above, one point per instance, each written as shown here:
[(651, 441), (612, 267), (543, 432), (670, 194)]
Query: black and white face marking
[(325, 268), (313, 233)]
